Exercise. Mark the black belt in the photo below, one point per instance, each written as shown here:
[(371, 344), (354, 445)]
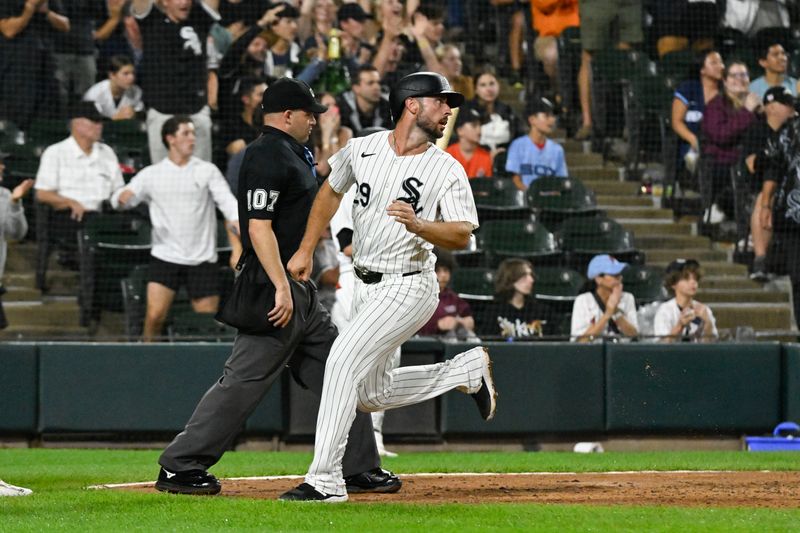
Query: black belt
[(369, 277)]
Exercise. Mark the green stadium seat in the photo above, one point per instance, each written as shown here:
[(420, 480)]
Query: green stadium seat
[(557, 284), (498, 198), (46, 131), (646, 283), (109, 246), (503, 239), (134, 301), (563, 195), (474, 283), (132, 132), (583, 238)]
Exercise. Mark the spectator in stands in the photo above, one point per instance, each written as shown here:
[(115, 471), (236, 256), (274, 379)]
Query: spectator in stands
[(75, 53), (283, 55), (174, 73), (477, 161), (363, 106), (453, 318), (501, 125), (452, 66), (682, 318), (750, 16), (550, 18), (117, 97), (315, 22), (184, 232), (76, 176), (27, 85), (605, 310), (534, 155), (325, 272), (515, 312), (596, 19), (245, 57), (514, 10), (680, 23), (726, 118), (774, 61), (354, 45), (6, 489), (241, 129), (111, 37), (13, 226), (329, 135), (426, 31), (689, 104), (391, 44), (779, 107)]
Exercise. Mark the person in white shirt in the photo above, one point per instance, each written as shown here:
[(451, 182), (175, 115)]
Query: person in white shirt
[(683, 318), (182, 192), (76, 176), (606, 310), (117, 98)]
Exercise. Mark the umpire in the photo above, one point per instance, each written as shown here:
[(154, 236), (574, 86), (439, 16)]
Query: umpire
[(277, 185)]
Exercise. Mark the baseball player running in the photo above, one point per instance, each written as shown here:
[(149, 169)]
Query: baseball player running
[(410, 196)]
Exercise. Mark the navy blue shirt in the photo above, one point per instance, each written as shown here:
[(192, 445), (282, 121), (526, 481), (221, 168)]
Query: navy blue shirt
[(690, 92)]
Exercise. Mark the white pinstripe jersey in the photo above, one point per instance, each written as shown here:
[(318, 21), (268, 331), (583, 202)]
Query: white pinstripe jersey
[(433, 182)]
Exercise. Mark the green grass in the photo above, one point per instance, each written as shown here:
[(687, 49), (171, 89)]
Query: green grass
[(58, 478)]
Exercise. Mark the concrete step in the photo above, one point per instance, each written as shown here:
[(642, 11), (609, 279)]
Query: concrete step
[(60, 281), (710, 268), (53, 314), (742, 283), (756, 315), (21, 294), (613, 187), (656, 240), (704, 255), (573, 146), (16, 332), (595, 172), (642, 228), (643, 212), (580, 159), (613, 201), (748, 296)]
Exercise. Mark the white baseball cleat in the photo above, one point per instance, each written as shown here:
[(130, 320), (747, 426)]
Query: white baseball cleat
[(11, 490)]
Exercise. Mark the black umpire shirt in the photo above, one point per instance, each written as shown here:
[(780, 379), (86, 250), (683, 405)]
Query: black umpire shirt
[(277, 183), (173, 71)]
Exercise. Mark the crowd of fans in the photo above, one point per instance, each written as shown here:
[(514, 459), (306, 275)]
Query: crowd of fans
[(180, 65)]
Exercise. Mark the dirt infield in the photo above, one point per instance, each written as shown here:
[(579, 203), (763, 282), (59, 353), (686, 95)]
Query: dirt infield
[(684, 489)]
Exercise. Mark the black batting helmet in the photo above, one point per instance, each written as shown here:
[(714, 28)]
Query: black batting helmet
[(421, 84)]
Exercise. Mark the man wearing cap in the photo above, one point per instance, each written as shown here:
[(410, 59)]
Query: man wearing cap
[(477, 161), (683, 318), (534, 155), (363, 106), (277, 185), (76, 176), (604, 311), (778, 108), (13, 226), (174, 73), (351, 19)]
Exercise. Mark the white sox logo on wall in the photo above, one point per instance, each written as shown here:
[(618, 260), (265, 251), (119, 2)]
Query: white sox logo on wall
[(191, 40), (410, 188)]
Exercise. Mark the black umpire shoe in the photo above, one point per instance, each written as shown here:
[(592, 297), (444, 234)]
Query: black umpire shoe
[(198, 482), (486, 397), (306, 493), (375, 480)]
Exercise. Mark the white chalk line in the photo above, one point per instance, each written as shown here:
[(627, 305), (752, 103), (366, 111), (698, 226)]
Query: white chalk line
[(456, 474)]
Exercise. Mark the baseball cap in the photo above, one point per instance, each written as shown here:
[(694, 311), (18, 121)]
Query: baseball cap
[(680, 264), (352, 11), (468, 115), (84, 109), (539, 105), (290, 93), (779, 94), (604, 264), (288, 11)]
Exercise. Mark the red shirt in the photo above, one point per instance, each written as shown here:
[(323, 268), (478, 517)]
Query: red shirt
[(479, 165), (449, 305)]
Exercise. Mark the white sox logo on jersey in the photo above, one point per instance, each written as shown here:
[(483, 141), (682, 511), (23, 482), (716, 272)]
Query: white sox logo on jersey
[(191, 40), (410, 188)]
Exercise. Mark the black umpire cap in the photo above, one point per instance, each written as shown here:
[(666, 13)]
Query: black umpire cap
[(290, 93)]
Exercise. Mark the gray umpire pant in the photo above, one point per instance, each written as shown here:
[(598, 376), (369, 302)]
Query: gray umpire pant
[(254, 365)]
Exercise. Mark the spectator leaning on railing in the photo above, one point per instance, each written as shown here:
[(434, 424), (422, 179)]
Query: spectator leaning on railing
[(182, 192), (683, 318), (174, 73), (118, 97), (604, 310)]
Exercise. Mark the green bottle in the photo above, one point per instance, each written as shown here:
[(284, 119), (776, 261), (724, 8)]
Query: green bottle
[(336, 77)]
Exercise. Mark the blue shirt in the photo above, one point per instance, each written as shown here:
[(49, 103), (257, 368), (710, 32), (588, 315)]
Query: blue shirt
[(760, 87), (530, 161), (690, 92)]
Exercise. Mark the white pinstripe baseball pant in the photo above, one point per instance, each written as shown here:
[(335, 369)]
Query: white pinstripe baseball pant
[(360, 373)]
